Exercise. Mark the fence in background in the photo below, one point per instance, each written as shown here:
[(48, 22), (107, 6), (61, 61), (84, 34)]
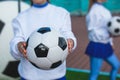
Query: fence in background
[(80, 7)]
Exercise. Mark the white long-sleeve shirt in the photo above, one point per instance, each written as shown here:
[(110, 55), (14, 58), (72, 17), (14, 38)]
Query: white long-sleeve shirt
[(97, 20), (28, 21)]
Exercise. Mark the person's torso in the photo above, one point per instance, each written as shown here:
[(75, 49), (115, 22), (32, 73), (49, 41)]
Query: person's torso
[(36, 18), (97, 20)]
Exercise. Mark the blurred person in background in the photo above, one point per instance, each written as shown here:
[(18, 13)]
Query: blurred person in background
[(100, 47)]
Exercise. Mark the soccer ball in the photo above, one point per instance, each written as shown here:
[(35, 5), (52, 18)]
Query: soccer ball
[(8, 65), (114, 26), (46, 48)]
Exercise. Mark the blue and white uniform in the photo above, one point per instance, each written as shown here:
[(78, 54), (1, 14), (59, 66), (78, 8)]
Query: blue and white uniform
[(32, 19), (100, 45), (97, 20)]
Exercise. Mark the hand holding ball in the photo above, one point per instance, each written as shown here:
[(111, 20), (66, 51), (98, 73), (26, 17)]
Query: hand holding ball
[(46, 48)]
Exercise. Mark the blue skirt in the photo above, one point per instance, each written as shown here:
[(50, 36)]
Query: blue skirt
[(99, 50)]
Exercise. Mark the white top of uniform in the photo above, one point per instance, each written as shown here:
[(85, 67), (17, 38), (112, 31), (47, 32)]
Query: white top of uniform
[(96, 20), (30, 20)]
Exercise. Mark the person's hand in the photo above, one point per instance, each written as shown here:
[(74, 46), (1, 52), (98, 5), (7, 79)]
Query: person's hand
[(70, 45), (22, 48)]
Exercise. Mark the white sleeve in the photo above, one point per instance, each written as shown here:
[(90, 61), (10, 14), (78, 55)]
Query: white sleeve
[(89, 22), (67, 30), (18, 36), (94, 20)]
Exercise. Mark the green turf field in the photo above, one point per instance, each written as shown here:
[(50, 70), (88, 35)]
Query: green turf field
[(76, 74)]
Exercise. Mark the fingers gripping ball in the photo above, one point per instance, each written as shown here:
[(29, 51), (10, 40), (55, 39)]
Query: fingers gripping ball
[(114, 26), (46, 48)]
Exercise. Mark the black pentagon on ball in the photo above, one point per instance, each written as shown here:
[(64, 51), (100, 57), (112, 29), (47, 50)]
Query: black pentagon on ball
[(109, 24), (44, 30), (62, 43), (2, 24), (11, 69), (41, 50), (117, 30), (27, 43), (118, 20), (56, 64)]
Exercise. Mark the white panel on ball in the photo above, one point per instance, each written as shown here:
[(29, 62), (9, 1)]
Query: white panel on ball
[(8, 11), (114, 26), (50, 48)]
